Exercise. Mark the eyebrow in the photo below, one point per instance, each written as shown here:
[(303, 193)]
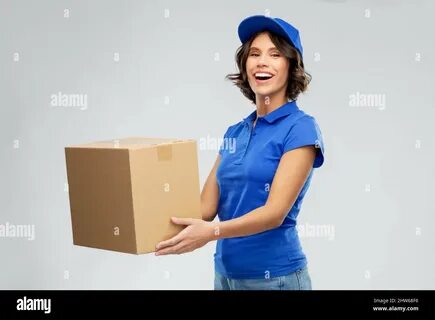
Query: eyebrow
[(255, 48)]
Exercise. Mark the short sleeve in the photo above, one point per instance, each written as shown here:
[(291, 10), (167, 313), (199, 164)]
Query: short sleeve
[(306, 132)]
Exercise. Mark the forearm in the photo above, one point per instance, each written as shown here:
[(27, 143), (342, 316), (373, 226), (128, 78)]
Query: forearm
[(209, 198), (208, 210), (208, 215), (261, 219)]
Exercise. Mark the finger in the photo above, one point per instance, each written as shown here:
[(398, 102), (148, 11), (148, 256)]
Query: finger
[(170, 242), (177, 249), (183, 221)]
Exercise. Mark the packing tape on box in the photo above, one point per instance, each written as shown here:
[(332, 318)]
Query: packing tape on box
[(164, 152)]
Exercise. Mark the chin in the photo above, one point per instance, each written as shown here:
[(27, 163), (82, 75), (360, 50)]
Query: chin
[(265, 93)]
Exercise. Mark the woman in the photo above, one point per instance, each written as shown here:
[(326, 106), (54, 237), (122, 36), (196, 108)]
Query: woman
[(258, 188)]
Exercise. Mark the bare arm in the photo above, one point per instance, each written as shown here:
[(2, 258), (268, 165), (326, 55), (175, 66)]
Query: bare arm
[(210, 194), (292, 172)]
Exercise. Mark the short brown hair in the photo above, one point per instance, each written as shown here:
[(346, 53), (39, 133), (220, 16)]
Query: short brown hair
[(298, 79)]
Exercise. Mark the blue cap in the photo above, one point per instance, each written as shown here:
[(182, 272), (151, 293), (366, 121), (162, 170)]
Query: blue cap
[(256, 23)]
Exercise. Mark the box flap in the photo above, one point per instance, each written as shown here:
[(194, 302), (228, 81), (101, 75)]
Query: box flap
[(130, 143)]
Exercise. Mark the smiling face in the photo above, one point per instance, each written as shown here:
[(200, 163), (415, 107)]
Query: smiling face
[(267, 69)]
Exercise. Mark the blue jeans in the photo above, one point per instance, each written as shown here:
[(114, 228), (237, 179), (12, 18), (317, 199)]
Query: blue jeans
[(298, 280)]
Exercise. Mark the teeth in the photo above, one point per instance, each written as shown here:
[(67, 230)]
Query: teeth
[(261, 74)]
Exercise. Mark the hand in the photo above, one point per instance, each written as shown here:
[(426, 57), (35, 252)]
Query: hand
[(197, 233)]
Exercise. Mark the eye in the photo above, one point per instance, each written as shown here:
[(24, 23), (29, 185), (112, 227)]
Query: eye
[(254, 54), (275, 55)]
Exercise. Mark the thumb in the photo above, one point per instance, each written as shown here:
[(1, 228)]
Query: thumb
[(183, 221)]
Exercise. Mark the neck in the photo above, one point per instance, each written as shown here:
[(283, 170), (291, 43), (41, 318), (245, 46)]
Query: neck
[(267, 104)]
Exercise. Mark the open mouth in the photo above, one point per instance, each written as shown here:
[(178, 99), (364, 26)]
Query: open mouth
[(262, 76)]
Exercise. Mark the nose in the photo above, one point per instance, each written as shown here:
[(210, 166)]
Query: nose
[(261, 61)]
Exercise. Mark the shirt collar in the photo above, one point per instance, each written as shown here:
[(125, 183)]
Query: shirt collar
[(283, 111)]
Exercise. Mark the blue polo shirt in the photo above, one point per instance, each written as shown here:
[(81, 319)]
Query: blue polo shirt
[(249, 159)]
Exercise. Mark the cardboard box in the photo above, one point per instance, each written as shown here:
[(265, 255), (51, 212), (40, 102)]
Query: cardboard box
[(123, 192)]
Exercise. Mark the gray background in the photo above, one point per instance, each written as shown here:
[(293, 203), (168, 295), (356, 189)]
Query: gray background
[(374, 191)]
